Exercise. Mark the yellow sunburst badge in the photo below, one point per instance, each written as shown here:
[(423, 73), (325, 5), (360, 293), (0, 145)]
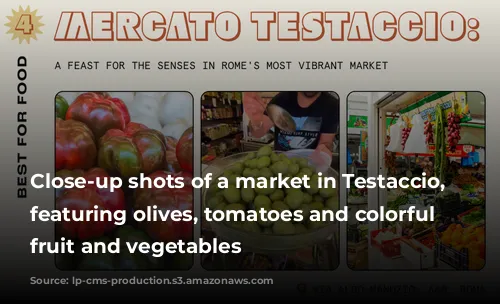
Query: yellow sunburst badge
[(24, 25)]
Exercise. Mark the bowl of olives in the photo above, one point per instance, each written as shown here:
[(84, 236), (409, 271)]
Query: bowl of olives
[(271, 236)]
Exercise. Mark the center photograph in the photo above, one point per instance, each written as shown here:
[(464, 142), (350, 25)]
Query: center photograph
[(290, 140)]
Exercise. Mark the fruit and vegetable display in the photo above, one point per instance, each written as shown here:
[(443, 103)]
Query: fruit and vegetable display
[(456, 235), (267, 163), (123, 134)]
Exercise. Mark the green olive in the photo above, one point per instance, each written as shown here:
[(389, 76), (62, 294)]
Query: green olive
[(247, 195), (266, 172), (302, 162), (316, 206), (316, 225), (313, 187), (277, 195), (280, 206), (264, 190), (307, 198), (252, 164), (263, 162), (317, 199), (264, 151), (251, 227), (220, 206), (262, 201), (274, 157), (293, 169), (261, 221), (236, 207), (279, 167), (306, 172), (294, 199), (306, 211), (237, 168), (332, 203), (327, 192), (212, 202), (232, 195), (250, 155), (247, 172)]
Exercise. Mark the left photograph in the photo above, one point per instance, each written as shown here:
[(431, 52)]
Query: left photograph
[(124, 134)]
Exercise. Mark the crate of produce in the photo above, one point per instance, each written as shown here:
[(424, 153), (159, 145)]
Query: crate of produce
[(418, 254), (386, 241), (473, 217), (449, 247)]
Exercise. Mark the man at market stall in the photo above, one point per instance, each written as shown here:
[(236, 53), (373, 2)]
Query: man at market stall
[(315, 115)]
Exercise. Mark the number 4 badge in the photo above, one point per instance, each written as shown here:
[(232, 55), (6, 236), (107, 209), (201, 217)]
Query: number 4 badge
[(24, 25)]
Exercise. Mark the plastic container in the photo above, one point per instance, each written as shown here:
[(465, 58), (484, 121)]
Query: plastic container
[(389, 248), (325, 162)]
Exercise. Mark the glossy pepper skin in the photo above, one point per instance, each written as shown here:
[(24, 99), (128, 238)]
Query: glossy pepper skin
[(61, 107), (124, 260), (167, 199), (100, 112), (184, 150), (75, 145), (134, 150), (85, 199)]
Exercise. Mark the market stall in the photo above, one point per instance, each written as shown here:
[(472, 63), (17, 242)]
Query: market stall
[(439, 134)]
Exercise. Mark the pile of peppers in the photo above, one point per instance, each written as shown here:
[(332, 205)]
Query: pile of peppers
[(95, 138)]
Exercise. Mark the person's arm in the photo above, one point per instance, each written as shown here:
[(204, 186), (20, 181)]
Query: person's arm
[(329, 127), (325, 143), (254, 108)]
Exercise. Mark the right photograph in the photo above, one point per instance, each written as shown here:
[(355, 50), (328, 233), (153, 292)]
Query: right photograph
[(414, 134)]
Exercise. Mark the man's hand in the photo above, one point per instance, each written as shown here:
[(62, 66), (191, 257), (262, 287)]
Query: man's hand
[(325, 145), (255, 107)]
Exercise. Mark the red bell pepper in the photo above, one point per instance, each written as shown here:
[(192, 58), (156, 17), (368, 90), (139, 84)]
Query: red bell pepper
[(132, 151), (100, 112), (85, 199), (75, 145), (167, 199), (184, 150)]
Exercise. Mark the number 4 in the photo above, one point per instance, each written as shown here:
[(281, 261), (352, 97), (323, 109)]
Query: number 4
[(24, 24)]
